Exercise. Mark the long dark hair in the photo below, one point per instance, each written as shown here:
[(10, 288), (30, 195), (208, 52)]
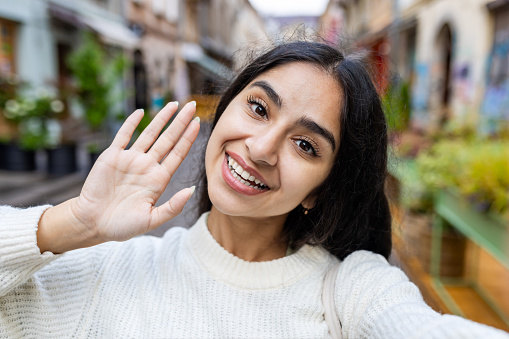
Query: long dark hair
[(351, 211)]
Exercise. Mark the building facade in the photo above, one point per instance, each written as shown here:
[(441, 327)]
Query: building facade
[(176, 48), (38, 37), (154, 59), (449, 52)]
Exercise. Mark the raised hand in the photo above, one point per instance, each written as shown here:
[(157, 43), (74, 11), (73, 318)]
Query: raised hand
[(118, 199)]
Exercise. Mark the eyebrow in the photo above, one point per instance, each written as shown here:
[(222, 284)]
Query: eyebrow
[(314, 127), (304, 122), (270, 92)]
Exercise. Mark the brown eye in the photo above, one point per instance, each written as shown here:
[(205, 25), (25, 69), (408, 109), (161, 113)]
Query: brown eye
[(305, 146), (258, 106), (258, 109)]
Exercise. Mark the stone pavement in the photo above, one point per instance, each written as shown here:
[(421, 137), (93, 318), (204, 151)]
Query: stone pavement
[(25, 189)]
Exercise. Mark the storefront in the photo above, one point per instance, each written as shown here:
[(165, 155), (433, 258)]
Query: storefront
[(495, 110)]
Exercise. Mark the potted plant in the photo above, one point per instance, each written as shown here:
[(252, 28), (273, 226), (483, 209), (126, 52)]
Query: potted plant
[(469, 178), (32, 118), (61, 152), (8, 129), (476, 170), (97, 81), (422, 178)]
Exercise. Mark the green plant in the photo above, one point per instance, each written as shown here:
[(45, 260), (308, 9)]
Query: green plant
[(97, 80), (487, 172), (478, 169), (31, 117), (397, 105)]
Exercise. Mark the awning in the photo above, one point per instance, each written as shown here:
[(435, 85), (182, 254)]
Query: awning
[(110, 28), (498, 5), (112, 33), (194, 53)]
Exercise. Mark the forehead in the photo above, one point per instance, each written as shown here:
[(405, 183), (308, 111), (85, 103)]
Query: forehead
[(306, 90)]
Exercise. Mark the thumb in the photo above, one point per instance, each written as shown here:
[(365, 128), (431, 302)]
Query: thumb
[(172, 208)]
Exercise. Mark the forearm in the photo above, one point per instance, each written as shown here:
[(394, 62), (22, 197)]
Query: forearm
[(60, 231), (20, 257)]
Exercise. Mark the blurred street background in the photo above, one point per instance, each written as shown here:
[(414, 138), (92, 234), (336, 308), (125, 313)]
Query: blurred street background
[(72, 70)]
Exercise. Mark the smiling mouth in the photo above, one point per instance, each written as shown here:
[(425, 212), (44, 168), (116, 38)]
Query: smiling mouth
[(243, 176)]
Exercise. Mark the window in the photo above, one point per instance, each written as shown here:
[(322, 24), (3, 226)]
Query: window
[(7, 47)]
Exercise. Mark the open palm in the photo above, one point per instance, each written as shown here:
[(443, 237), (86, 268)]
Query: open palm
[(118, 199)]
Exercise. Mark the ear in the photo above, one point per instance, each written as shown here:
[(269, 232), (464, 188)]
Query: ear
[(309, 202)]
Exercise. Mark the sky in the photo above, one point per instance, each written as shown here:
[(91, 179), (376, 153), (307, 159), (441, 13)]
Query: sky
[(290, 7)]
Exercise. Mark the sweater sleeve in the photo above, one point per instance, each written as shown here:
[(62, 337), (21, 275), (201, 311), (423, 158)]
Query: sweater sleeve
[(376, 300), (20, 257), (46, 295)]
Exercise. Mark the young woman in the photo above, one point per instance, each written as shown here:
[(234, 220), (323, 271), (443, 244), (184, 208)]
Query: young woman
[(294, 182)]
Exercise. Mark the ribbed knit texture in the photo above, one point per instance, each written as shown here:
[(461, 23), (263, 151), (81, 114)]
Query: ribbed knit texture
[(185, 285)]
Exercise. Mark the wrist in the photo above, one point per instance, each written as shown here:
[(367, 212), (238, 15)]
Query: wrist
[(60, 230)]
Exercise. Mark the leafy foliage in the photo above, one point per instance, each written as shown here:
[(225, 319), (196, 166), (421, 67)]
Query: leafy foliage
[(477, 169), (31, 117), (96, 77), (397, 103)]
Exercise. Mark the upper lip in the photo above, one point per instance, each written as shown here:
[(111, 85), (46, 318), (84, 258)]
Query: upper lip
[(251, 170)]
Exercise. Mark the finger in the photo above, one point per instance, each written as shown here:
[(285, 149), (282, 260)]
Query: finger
[(125, 132), (172, 208), (181, 149), (150, 134), (169, 138)]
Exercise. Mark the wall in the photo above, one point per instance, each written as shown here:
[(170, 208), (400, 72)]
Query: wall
[(156, 20), (470, 23), (35, 52)]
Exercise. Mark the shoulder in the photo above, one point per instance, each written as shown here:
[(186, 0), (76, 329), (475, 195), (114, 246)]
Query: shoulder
[(368, 266), (369, 273)]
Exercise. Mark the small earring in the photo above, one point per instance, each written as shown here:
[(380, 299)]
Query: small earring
[(306, 210)]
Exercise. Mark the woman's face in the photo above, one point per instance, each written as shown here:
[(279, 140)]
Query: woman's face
[(275, 142)]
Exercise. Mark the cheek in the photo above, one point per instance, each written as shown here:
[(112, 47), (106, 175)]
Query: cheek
[(312, 177), (301, 177)]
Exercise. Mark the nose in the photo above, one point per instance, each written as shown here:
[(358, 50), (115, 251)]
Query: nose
[(263, 146)]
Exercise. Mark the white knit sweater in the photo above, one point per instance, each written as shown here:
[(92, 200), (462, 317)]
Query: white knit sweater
[(185, 285)]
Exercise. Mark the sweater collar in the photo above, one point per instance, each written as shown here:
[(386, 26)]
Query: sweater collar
[(232, 270)]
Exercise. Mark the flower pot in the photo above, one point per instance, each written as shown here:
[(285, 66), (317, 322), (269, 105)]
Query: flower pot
[(17, 159), (417, 234), (487, 230), (62, 160)]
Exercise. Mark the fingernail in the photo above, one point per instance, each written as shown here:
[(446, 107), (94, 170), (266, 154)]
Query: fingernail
[(140, 110), (176, 103), (193, 188), (194, 103), (197, 119)]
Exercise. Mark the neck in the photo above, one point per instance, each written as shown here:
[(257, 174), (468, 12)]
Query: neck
[(251, 239)]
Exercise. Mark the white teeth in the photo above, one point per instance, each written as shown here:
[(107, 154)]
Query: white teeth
[(243, 176)]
